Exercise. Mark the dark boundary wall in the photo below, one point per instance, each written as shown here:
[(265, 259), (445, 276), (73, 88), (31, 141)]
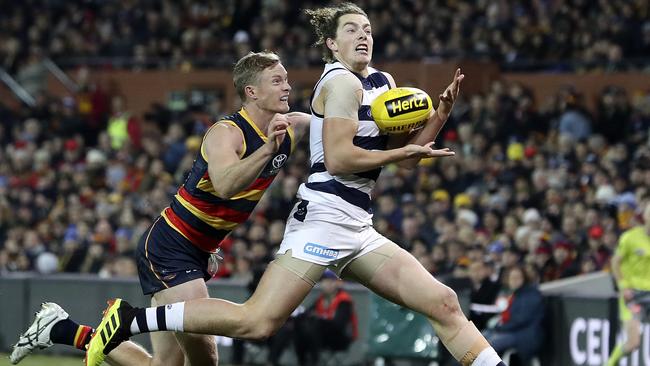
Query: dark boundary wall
[(580, 330), (142, 88), (84, 297)]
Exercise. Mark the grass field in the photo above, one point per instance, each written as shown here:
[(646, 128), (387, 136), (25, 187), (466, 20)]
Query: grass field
[(41, 360)]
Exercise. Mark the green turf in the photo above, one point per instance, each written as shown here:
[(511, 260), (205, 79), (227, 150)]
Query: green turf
[(44, 360)]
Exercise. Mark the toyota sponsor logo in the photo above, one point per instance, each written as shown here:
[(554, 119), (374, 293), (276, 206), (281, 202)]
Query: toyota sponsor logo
[(278, 160)]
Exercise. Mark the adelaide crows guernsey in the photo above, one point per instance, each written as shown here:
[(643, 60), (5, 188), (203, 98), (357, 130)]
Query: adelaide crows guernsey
[(205, 219), (346, 196)]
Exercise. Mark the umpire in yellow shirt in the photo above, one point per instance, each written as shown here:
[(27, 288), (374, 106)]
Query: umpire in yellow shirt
[(631, 268)]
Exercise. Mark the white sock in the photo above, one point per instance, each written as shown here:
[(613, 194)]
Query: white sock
[(487, 357), (161, 318), (174, 315)]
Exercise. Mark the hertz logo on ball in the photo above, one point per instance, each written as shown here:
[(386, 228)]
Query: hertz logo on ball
[(401, 109), (406, 104)]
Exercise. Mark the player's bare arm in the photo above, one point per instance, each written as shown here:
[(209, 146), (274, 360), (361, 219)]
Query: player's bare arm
[(223, 146), (342, 98), (434, 124), (299, 122)]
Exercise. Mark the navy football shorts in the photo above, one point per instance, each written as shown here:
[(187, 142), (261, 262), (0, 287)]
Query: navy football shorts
[(166, 259)]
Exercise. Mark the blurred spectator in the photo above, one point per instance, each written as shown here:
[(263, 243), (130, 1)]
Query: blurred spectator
[(520, 324), (610, 35), (484, 292), (574, 122), (564, 258), (330, 323), (32, 75)]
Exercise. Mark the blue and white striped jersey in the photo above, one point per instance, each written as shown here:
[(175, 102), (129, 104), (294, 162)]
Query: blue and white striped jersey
[(348, 195)]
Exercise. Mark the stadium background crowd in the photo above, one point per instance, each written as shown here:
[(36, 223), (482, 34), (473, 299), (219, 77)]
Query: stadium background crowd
[(550, 186)]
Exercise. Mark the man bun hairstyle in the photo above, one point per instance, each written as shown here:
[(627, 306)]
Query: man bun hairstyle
[(325, 21)]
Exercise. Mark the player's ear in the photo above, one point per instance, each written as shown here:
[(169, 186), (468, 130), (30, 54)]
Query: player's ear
[(331, 44), (250, 92)]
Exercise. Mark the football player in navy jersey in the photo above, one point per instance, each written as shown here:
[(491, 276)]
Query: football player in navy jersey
[(239, 157)]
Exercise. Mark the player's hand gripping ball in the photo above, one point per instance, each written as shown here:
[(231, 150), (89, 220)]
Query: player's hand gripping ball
[(401, 110)]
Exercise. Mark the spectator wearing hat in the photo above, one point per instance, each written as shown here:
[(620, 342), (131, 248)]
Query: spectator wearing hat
[(466, 217), (625, 210), (532, 218), (597, 251), (543, 261), (462, 200), (441, 204), (565, 261), (494, 256)]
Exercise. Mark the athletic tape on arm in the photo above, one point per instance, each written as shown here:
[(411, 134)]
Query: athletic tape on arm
[(342, 97)]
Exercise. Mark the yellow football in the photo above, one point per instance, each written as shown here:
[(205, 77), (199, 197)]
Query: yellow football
[(401, 110)]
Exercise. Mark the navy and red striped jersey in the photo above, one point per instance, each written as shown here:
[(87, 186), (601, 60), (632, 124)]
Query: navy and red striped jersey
[(205, 219)]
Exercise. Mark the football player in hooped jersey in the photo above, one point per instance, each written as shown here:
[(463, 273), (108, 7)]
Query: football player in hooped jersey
[(331, 226), (239, 158)]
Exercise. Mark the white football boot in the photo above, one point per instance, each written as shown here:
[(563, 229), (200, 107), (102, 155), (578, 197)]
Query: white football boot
[(37, 336)]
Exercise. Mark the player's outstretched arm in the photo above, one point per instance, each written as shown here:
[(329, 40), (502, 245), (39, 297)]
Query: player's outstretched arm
[(342, 98), (436, 120), (223, 145), (440, 115)]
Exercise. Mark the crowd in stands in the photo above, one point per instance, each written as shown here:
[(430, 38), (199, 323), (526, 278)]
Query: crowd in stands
[(546, 187), (582, 34), (549, 187)]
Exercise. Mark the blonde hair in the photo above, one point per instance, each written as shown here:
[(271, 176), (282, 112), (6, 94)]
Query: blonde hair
[(325, 22), (247, 70)]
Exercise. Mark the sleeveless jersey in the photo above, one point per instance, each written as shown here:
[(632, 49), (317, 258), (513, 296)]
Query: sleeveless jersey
[(348, 195), (205, 219)]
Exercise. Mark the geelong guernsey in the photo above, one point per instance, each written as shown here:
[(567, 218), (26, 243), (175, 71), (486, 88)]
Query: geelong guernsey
[(346, 197)]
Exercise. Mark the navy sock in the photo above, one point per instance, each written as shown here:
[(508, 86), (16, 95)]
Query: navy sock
[(70, 333)]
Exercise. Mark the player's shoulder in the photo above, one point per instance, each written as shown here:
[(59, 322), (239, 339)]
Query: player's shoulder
[(223, 124), (343, 81), (225, 128)]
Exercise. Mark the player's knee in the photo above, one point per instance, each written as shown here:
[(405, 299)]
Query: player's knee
[(263, 330), (260, 327), (446, 305)]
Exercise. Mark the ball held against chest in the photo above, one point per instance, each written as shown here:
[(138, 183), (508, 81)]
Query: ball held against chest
[(401, 110)]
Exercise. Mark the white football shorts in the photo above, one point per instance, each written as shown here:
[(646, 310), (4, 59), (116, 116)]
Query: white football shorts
[(331, 244)]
